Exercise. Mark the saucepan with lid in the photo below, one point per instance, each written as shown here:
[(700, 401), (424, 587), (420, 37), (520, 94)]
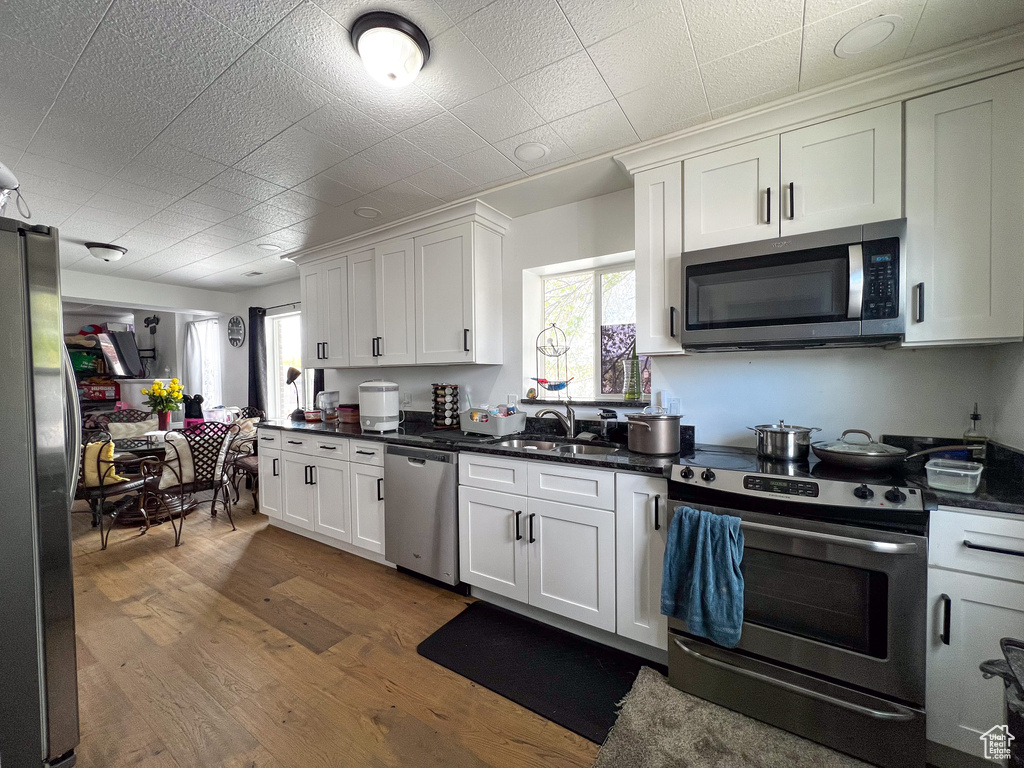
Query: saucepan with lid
[(654, 432), (782, 441), (870, 454)]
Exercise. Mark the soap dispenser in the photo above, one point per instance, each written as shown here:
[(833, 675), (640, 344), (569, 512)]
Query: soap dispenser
[(975, 438)]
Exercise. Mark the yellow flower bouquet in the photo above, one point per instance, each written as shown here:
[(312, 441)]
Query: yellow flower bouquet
[(161, 399)]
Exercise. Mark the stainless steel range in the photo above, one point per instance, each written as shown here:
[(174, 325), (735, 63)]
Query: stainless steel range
[(835, 571)]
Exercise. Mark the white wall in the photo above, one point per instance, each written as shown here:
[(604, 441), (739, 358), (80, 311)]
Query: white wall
[(1007, 422)]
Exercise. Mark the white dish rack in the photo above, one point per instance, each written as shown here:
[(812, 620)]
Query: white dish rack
[(497, 426)]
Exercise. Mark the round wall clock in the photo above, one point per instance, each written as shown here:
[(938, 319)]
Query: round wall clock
[(236, 331)]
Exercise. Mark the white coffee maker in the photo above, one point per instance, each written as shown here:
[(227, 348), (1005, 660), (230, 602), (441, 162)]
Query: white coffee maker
[(378, 406)]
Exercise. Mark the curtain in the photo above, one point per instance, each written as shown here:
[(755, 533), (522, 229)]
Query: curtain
[(192, 367), (258, 358), (318, 382), (201, 374)]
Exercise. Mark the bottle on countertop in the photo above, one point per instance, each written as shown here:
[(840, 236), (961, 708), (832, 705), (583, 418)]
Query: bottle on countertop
[(975, 438)]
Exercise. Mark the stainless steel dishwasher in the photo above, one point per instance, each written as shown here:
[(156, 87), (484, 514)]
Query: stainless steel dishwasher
[(421, 517)]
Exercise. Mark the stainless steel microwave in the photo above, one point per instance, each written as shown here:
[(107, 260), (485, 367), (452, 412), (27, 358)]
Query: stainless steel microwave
[(843, 287)]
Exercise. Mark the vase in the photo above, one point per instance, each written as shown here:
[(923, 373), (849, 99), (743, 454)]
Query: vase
[(164, 420)]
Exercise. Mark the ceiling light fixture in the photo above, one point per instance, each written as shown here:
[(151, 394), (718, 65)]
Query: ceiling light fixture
[(392, 48), (365, 212), (531, 151), (867, 36), (106, 251), (268, 247)]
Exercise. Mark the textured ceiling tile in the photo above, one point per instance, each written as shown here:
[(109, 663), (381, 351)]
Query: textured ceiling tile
[(819, 63), (200, 210), (763, 98), (292, 156), (48, 210), (655, 110), (230, 234), (33, 186), (246, 223), (270, 85), (340, 123), (398, 155), (175, 28), (443, 137), (94, 224), (945, 22), (211, 240), (246, 185), (199, 246), (130, 209), (29, 84), (456, 71), (403, 196), (484, 165), (359, 173), (327, 190), (766, 67), (298, 203), (223, 126), (250, 19), (425, 14), (498, 114), (595, 130), (171, 224), (441, 181), (565, 87), (333, 224), (721, 28), (595, 20), (135, 193), (220, 198), (557, 149), (272, 214), (160, 154), (458, 10), (310, 41), (58, 27), (159, 179), (286, 238), (141, 244), (650, 51)]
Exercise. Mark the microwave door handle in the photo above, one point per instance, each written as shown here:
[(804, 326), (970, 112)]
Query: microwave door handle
[(883, 547), (856, 282)]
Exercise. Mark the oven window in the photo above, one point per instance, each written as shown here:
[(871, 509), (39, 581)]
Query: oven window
[(834, 604), (803, 287)]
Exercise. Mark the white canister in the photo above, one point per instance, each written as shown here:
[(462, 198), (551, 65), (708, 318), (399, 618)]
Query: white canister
[(378, 406)]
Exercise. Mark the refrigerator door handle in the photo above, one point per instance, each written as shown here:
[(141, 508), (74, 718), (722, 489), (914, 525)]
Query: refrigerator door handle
[(73, 414)]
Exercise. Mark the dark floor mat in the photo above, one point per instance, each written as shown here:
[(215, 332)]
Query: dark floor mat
[(565, 678)]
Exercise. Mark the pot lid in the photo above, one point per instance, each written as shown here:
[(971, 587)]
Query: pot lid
[(783, 427), (869, 447), (650, 414)]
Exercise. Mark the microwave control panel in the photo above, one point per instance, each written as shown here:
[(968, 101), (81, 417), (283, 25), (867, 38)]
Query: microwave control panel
[(881, 281)]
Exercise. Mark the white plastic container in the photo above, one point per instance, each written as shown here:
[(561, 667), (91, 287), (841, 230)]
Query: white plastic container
[(952, 475), (489, 424)]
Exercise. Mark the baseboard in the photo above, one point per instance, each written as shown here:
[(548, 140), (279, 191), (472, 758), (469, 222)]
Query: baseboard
[(344, 546), (642, 650)]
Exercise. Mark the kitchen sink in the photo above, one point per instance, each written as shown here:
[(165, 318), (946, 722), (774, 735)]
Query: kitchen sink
[(590, 450), (534, 445)]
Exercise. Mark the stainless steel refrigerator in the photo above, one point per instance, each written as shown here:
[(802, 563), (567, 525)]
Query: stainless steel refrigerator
[(39, 455)]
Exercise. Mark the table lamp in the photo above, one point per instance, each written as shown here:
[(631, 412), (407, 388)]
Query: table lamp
[(298, 414)]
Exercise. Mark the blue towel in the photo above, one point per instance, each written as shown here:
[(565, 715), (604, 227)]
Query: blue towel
[(702, 583)]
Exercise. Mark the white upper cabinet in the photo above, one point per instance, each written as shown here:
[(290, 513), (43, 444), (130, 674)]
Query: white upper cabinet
[(458, 295), (658, 201), (324, 293), (839, 173), (396, 297), (842, 172), (731, 196), (965, 213), (362, 305)]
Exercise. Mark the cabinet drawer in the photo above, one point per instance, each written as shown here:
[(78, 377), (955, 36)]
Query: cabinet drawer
[(366, 452), (269, 438), (329, 448), (493, 473), (294, 442), (572, 485), (965, 542)]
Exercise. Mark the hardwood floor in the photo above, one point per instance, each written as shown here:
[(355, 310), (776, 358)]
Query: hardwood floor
[(261, 649)]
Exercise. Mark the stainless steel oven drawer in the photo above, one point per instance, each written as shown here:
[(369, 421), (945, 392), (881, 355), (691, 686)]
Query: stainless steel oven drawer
[(883, 732)]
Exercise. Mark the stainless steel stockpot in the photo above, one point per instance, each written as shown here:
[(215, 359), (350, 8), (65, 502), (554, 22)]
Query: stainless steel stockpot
[(782, 441), (653, 432)]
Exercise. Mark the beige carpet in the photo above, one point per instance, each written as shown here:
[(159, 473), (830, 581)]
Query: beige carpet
[(661, 727)]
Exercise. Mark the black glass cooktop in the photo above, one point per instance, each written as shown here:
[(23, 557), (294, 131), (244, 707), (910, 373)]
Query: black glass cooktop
[(747, 460)]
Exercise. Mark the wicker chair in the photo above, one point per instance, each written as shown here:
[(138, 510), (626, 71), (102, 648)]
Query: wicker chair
[(207, 446), (103, 498), (251, 412)]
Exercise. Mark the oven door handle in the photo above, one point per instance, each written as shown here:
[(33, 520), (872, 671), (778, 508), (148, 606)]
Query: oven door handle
[(856, 302), (901, 713), (884, 547)]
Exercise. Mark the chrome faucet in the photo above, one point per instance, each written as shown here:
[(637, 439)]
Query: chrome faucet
[(568, 421)]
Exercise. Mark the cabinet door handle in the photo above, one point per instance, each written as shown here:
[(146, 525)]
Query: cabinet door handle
[(947, 606), (312, 475), (672, 322), (792, 205), (465, 339), (657, 517), (519, 534), (366, 453), (530, 521), (380, 345), (999, 550), (373, 347), (305, 471), (326, 353), (267, 439), (273, 467), (328, 447), (768, 214), (294, 442), (920, 302), (380, 495)]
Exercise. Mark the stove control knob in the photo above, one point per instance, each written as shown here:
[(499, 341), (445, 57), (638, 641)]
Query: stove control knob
[(863, 492), (707, 476), (687, 473), (895, 495)]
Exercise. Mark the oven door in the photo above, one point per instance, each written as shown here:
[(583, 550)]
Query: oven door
[(837, 601)]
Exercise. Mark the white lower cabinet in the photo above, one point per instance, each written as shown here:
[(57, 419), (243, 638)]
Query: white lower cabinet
[(298, 504), (641, 531), (368, 506), (492, 542), (333, 511), (572, 561), (270, 482)]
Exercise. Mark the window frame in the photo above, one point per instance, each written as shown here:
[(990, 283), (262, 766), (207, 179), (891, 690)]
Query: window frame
[(273, 362)]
